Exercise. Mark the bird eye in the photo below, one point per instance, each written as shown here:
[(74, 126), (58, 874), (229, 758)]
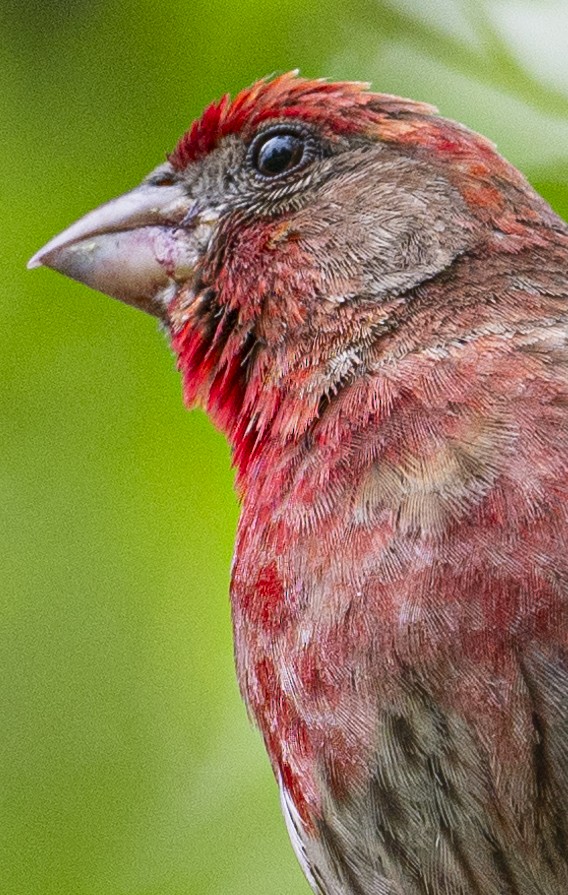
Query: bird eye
[(275, 154), (162, 176), (166, 180)]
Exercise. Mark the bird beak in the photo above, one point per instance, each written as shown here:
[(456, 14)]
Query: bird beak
[(138, 248)]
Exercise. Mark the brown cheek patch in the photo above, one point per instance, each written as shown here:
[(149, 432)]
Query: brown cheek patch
[(426, 492)]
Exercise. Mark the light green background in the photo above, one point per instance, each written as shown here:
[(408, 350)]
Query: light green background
[(128, 766)]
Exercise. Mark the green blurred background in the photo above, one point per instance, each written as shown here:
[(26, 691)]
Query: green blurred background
[(128, 765)]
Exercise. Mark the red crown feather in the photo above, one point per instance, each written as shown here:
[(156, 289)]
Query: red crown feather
[(289, 96)]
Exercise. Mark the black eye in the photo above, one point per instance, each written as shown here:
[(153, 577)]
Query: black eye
[(275, 154)]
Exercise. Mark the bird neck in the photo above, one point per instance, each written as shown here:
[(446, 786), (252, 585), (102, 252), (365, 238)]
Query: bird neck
[(280, 377)]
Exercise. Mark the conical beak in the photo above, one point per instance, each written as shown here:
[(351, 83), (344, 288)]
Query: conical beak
[(138, 248)]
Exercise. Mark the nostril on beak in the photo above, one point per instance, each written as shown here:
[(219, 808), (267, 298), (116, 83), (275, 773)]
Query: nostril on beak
[(191, 217)]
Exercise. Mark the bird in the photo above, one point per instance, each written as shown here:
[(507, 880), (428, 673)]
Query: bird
[(372, 305)]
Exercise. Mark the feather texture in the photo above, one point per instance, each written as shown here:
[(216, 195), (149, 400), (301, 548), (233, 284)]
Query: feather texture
[(378, 321)]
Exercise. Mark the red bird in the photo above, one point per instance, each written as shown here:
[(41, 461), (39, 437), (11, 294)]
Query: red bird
[(372, 305)]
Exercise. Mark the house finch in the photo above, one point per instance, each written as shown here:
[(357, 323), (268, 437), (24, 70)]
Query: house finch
[(372, 304)]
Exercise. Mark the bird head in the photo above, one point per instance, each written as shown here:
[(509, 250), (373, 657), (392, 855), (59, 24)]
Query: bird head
[(283, 230)]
